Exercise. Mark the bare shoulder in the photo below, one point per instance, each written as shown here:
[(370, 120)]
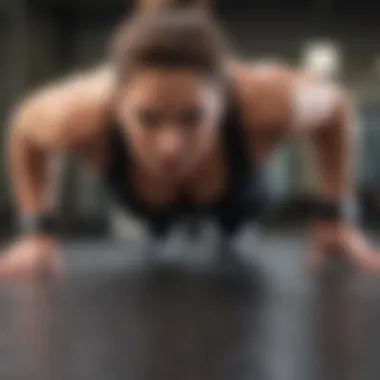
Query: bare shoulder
[(280, 98), (68, 112), (265, 93)]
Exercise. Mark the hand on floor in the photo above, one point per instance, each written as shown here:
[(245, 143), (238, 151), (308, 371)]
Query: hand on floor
[(347, 241), (31, 257)]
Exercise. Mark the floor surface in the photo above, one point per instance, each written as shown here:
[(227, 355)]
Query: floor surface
[(108, 320)]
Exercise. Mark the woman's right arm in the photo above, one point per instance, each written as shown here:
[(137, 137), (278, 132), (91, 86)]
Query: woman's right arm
[(67, 117)]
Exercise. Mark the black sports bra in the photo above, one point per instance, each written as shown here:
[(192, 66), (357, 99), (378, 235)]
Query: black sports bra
[(242, 199)]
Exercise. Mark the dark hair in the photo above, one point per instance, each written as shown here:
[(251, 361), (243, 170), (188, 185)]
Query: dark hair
[(174, 4), (170, 39)]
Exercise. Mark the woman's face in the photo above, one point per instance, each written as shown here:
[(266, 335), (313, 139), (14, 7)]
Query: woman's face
[(171, 119)]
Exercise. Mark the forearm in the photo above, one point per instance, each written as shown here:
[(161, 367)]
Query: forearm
[(33, 172), (335, 150), (35, 251)]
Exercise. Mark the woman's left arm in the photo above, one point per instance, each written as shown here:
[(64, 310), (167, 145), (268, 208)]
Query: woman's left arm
[(281, 102), (325, 112)]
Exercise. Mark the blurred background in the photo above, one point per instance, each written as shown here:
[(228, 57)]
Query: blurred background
[(41, 40)]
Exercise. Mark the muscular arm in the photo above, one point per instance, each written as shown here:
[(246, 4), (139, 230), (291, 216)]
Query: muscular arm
[(284, 102), (330, 121), (32, 170), (333, 142), (288, 102), (66, 117)]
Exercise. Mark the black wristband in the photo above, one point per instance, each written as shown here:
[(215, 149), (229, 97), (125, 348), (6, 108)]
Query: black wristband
[(37, 224), (331, 211)]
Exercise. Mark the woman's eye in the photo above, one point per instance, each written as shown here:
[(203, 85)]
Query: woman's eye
[(149, 119), (191, 118)]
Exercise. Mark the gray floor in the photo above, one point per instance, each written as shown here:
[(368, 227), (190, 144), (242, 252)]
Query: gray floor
[(107, 321)]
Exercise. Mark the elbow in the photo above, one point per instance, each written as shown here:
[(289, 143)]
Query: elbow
[(20, 120)]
